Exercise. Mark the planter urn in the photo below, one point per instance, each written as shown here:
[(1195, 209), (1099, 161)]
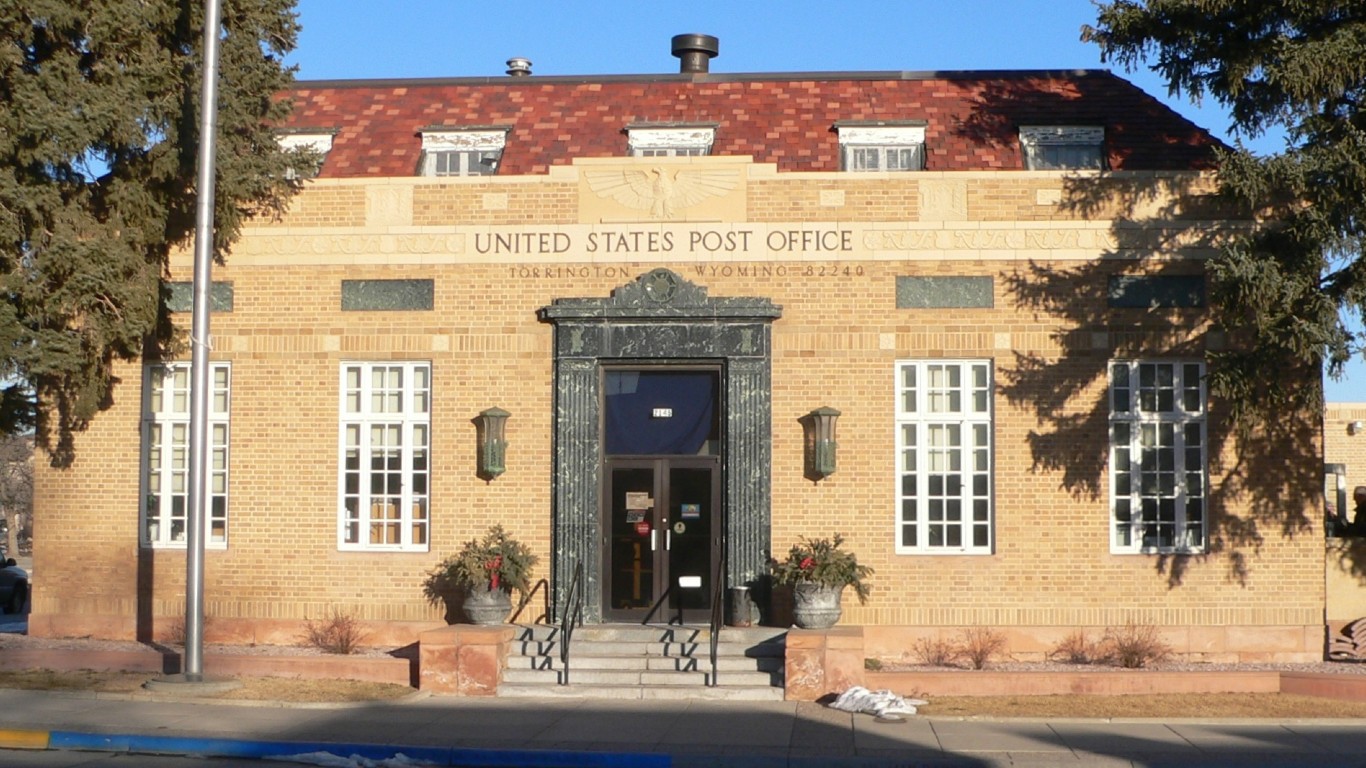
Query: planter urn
[(816, 606), (487, 606)]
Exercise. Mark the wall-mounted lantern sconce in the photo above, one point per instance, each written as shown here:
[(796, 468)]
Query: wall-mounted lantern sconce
[(1355, 427), (820, 441), (493, 444)]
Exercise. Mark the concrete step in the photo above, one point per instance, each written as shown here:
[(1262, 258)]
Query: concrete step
[(578, 644), (585, 646), (771, 649), (601, 677), (642, 633), (649, 633), (588, 691), (580, 661), (657, 663), (723, 663), (647, 662), (640, 677)]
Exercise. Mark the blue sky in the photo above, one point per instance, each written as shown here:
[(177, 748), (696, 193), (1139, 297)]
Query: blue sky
[(452, 38)]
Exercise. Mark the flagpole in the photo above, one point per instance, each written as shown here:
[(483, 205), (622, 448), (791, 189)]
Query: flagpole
[(199, 351)]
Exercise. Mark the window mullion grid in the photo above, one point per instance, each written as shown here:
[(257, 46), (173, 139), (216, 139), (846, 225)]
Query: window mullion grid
[(385, 457), (167, 508), (387, 505), (910, 508), (376, 457), (406, 469), (354, 482), (952, 481), (1163, 510), (414, 420), (354, 525), (161, 479), (217, 512)]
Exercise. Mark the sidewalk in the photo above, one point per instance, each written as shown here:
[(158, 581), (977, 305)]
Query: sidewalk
[(571, 732)]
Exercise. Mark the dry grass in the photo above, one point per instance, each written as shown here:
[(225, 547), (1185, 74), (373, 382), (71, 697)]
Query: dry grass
[(315, 691), (1212, 705), (252, 689)]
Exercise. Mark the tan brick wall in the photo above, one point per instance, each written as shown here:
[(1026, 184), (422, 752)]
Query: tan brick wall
[(836, 344), (1345, 445), (1345, 560), (493, 203), (327, 206)]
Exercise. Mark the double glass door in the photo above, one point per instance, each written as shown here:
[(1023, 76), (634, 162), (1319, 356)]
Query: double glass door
[(661, 513), (663, 538)]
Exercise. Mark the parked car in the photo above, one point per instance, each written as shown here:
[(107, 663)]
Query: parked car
[(13, 587)]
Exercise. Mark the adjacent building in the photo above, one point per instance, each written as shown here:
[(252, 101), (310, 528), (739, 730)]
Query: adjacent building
[(990, 285)]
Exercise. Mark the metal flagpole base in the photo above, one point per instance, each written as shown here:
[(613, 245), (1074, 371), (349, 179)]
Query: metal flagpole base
[(191, 685)]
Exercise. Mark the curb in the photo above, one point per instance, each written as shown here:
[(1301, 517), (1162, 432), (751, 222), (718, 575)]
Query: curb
[(286, 750)]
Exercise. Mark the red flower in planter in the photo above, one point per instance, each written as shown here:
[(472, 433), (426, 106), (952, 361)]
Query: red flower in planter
[(492, 566)]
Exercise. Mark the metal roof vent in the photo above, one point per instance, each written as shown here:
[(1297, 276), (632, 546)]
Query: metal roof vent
[(519, 67), (695, 52)]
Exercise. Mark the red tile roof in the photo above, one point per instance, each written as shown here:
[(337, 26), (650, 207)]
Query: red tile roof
[(972, 118)]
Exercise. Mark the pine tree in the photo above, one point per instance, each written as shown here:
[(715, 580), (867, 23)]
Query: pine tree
[(98, 145), (1282, 288)]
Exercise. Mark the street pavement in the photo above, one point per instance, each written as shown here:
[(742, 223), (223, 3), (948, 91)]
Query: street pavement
[(119, 730)]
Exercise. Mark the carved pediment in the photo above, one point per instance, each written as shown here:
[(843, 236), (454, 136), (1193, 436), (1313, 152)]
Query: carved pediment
[(661, 293)]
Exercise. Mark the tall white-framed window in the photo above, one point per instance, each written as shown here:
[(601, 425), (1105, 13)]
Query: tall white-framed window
[(1063, 147), (1158, 461), (166, 455), (882, 147), (944, 456), (384, 445), (462, 152), (673, 141)]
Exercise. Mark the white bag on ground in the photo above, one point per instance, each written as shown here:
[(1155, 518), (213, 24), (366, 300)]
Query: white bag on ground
[(878, 703)]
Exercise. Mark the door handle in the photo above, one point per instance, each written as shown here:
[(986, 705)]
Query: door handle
[(668, 540), (652, 540)]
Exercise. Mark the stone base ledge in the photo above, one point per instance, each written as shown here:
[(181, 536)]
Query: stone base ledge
[(464, 659), (1340, 687), (822, 661), (985, 682)]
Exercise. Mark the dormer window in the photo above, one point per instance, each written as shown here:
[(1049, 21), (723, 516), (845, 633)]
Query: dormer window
[(462, 151), (670, 141), (307, 141), (1063, 147), (882, 146)]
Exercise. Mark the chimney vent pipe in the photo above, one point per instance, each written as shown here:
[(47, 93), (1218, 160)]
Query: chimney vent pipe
[(695, 52), (519, 67)]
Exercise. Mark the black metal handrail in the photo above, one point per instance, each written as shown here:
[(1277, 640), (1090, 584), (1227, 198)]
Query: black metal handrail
[(718, 582), (573, 615), (541, 586)]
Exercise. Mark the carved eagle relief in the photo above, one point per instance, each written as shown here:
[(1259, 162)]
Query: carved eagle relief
[(662, 192)]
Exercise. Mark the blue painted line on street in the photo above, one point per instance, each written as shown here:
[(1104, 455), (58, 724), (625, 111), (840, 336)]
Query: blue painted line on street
[(441, 756), (493, 758)]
